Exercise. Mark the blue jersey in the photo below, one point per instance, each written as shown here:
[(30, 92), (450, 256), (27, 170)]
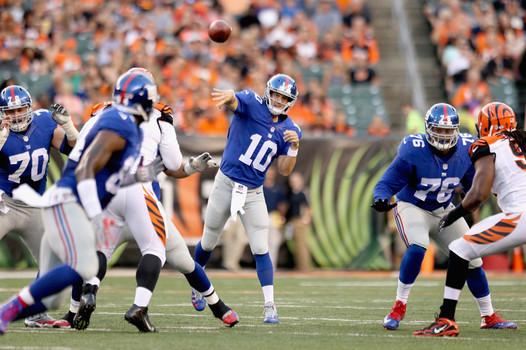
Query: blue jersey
[(254, 140), (24, 157), (421, 177), (110, 177)]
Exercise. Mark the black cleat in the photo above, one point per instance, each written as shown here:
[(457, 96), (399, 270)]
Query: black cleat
[(86, 307), (138, 316)]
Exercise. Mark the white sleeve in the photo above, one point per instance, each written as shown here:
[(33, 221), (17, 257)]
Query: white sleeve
[(169, 147)]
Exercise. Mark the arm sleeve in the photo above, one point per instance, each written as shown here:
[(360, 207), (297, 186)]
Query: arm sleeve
[(467, 180), (169, 147), (394, 179)]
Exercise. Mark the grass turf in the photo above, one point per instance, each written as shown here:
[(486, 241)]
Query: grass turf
[(320, 310)]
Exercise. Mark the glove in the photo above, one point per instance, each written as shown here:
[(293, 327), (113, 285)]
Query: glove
[(150, 172), (103, 233), (59, 114), (452, 216), (382, 205), (4, 134), (201, 162)]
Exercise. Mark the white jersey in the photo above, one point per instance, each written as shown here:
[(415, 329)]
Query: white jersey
[(509, 183), (159, 138)]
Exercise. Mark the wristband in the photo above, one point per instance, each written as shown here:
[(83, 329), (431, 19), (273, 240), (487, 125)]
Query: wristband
[(188, 169), (71, 131), (292, 152), (88, 194)]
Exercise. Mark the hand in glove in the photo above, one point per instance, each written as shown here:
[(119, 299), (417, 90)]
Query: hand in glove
[(103, 233), (4, 134), (59, 114), (145, 173), (201, 162), (452, 216), (382, 205)]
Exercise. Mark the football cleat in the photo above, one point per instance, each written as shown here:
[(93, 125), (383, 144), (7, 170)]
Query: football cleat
[(198, 301), (66, 321), (86, 307), (397, 314), (8, 312), (440, 328), (41, 320), (271, 315), (495, 322), (230, 318), (138, 316)]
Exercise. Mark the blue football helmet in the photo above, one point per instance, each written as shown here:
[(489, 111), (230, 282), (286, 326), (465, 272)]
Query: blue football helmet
[(17, 107), (135, 93), (284, 85), (442, 126)]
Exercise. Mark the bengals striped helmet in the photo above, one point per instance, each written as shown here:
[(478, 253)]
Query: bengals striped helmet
[(495, 117)]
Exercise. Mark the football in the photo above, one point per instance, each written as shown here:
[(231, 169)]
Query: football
[(219, 31)]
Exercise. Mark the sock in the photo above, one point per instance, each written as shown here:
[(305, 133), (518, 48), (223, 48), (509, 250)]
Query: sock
[(142, 296), (94, 281), (148, 271), (74, 306), (457, 272), (103, 266), (54, 281), (211, 298), (268, 293), (31, 310), (201, 256), (219, 309), (198, 279), (411, 263), (403, 290), (265, 273), (478, 285), (76, 292)]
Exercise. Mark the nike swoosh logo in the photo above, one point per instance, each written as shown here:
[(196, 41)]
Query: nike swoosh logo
[(258, 192), (437, 330)]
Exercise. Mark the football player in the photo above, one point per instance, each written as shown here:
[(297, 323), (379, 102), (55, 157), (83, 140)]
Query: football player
[(73, 206), (139, 208), (424, 176), (259, 133), (26, 137), (499, 157)]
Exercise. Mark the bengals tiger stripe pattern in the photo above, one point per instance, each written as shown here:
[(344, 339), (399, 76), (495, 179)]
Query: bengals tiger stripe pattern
[(495, 233)]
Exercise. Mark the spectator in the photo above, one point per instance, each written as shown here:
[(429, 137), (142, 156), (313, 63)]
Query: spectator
[(299, 218), (471, 93), (276, 206), (414, 120)]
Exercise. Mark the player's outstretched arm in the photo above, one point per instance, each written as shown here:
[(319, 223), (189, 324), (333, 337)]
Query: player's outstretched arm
[(195, 164)]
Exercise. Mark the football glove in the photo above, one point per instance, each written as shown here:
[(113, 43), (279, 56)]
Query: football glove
[(382, 205), (201, 162), (59, 114), (4, 133), (103, 233), (452, 216)]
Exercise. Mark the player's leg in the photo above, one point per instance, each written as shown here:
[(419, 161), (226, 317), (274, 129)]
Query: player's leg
[(217, 214), (476, 277), (413, 227), (178, 256), (148, 226), (84, 295), (256, 223), (490, 236), (69, 239)]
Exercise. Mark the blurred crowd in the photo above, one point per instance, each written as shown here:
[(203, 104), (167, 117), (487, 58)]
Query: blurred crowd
[(480, 45), (71, 52)]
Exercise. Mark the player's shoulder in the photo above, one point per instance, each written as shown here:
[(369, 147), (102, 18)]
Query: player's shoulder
[(412, 145), (249, 97), (163, 113), (42, 117), (99, 107), (481, 147), (291, 125)]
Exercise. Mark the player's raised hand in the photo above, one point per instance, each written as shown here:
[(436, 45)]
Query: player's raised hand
[(382, 205), (200, 163), (60, 114), (4, 133), (222, 97)]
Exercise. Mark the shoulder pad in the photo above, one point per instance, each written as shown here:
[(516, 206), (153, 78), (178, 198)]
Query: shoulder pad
[(99, 106), (480, 148), (166, 113)]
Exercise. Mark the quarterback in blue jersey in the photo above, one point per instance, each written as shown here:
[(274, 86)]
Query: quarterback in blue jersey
[(73, 207), (424, 176), (26, 138), (259, 133)]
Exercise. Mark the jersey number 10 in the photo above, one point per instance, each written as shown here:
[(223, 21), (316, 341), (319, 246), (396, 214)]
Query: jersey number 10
[(258, 163)]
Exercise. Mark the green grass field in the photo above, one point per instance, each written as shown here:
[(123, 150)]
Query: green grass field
[(320, 310)]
